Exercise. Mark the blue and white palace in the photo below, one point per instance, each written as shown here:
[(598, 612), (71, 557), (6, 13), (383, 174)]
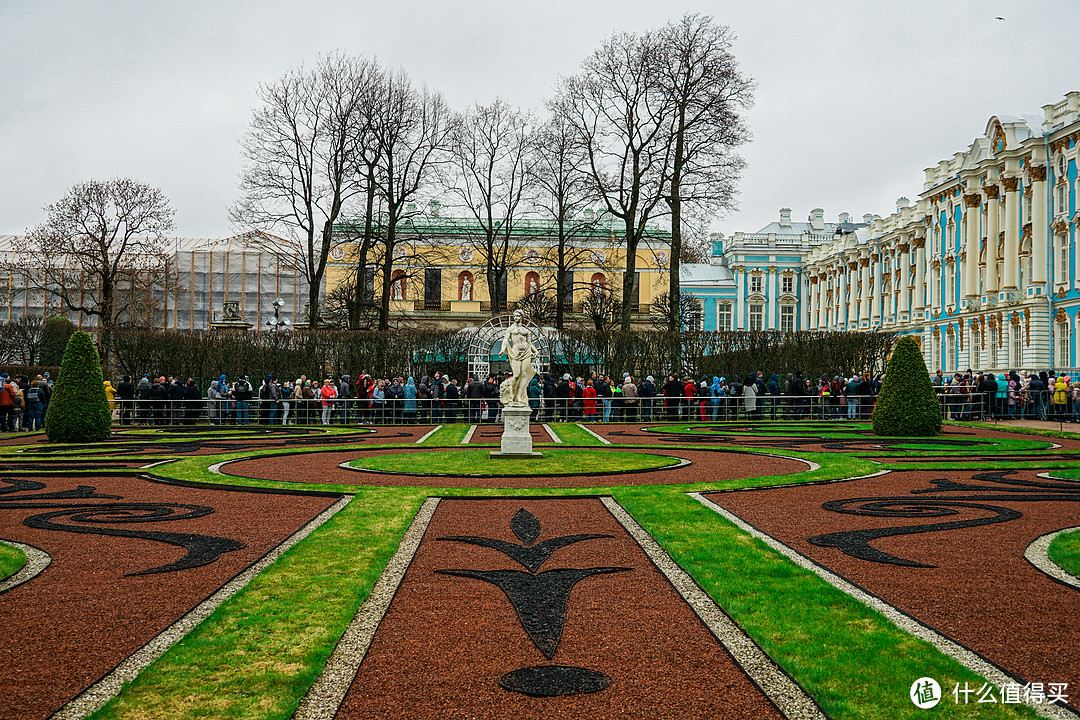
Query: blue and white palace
[(982, 268)]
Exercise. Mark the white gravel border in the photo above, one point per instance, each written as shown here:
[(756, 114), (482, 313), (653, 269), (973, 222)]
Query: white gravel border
[(429, 433), (604, 440), (324, 697), (551, 433), (468, 436), (972, 661), (95, 696), (777, 685), (1037, 554), (36, 561)]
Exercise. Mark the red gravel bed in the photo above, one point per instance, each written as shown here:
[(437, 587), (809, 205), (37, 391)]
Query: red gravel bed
[(446, 640), (73, 623), (322, 467), (981, 592), (492, 434)]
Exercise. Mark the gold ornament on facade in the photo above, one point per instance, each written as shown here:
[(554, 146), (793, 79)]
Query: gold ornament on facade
[(1027, 329), (1014, 319), (991, 191), (919, 242), (972, 201), (993, 322), (864, 261), (937, 332), (1060, 293), (1011, 184), (1025, 233), (1061, 316), (1059, 226), (1037, 172)]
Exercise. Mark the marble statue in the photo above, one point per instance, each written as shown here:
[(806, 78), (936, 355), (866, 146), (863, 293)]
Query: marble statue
[(466, 289), (521, 353)]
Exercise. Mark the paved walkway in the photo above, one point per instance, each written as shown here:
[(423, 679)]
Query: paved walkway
[(1040, 425)]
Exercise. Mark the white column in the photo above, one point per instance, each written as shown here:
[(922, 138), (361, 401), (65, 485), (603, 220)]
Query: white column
[(841, 298), (852, 295), (902, 286), (1040, 240), (1012, 234), (740, 302), (920, 274), (971, 264), (878, 300), (864, 301), (823, 305), (990, 286), (772, 289)]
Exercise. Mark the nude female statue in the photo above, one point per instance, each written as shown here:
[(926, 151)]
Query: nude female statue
[(521, 353)]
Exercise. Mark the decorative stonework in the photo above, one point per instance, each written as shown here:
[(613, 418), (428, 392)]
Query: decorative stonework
[(1061, 316), (1038, 173), (1026, 232), (991, 191), (1012, 184), (1014, 319), (1060, 293), (918, 242), (972, 201)]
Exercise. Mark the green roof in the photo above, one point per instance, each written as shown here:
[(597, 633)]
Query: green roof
[(605, 226)]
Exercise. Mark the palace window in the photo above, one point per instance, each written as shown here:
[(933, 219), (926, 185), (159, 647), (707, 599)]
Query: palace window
[(950, 288), (1059, 199), (992, 348), (723, 316), (1062, 242), (787, 284), (1016, 351), (950, 350), (935, 353), (1061, 345), (973, 349), (757, 316), (756, 284), (787, 318)]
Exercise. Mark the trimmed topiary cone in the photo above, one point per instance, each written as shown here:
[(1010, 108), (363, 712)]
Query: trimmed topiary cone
[(906, 405), (79, 410)]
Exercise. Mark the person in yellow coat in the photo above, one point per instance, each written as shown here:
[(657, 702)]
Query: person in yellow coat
[(110, 394), (1061, 396)]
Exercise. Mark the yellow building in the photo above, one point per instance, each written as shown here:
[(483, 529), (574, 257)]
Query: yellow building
[(440, 269)]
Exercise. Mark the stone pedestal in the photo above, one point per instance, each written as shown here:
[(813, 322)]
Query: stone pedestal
[(516, 440)]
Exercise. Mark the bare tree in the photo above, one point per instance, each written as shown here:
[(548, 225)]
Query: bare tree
[(563, 190), (21, 340), (99, 242), (413, 130), (301, 161), (624, 126), (701, 84), (491, 153)]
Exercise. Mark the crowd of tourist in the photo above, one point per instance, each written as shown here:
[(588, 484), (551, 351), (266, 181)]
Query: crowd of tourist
[(593, 398)]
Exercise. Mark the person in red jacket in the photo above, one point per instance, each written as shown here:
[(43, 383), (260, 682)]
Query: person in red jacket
[(7, 404), (589, 395), (328, 395)]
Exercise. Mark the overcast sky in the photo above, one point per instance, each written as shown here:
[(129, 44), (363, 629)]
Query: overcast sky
[(854, 99)]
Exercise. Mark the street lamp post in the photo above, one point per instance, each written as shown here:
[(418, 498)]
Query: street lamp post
[(277, 322)]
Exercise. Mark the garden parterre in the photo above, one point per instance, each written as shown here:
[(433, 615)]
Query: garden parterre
[(261, 651)]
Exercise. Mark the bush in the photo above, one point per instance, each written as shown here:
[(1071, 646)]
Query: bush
[(906, 405), (54, 340), (79, 411)]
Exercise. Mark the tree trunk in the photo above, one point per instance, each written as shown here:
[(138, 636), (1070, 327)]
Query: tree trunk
[(360, 294), (388, 269), (628, 277)]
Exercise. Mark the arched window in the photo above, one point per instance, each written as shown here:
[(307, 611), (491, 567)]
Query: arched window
[(399, 286), (532, 283), (1062, 340), (598, 285), (973, 348), (465, 285), (1016, 350)]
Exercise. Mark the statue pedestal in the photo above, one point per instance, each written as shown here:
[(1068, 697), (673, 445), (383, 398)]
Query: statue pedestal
[(516, 440)]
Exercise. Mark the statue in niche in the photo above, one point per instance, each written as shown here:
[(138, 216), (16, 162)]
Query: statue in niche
[(466, 288), (397, 292), (534, 289)]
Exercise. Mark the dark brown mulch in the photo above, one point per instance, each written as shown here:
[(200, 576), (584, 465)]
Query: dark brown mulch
[(446, 640), (981, 592), (73, 623), (322, 467)]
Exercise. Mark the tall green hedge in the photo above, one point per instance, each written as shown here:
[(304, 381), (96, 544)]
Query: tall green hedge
[(54, 339), (79, 410), (906, 405)]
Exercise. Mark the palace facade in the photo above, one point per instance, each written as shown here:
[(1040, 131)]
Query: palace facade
[(983, 268)]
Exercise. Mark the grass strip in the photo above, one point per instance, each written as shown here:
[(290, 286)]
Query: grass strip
[(573, 434), (448, 435), (257, 654), (1064, 551), (476, 462), (853, 661), (12, 560)]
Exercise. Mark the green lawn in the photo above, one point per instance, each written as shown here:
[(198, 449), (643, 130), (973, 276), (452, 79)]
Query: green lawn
[(1065, 552), (12, 560), (476, 462)]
